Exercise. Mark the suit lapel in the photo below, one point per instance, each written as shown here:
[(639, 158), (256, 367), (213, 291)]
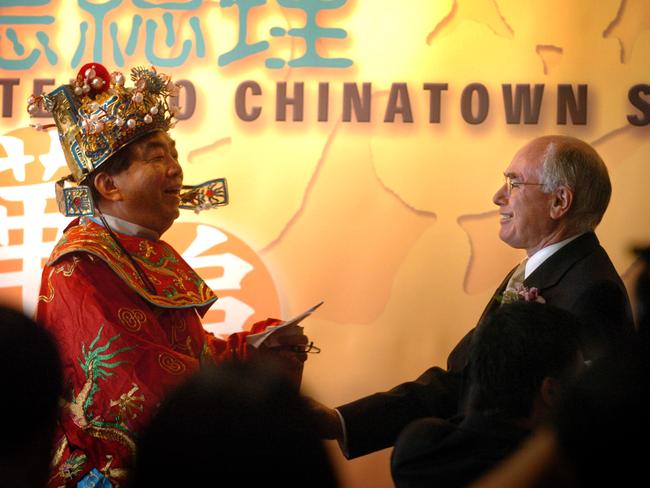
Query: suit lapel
[(494, 303), (551, 271)]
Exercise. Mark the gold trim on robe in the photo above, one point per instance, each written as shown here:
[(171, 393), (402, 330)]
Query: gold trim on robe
[(177, 284)]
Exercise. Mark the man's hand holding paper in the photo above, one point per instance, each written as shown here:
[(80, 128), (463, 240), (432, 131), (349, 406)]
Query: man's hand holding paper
[(285, 343)]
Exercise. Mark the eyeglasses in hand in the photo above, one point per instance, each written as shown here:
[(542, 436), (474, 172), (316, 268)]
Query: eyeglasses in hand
[(303, 348)]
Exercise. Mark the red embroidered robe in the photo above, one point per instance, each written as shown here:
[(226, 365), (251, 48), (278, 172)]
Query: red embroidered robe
[(122, 346)]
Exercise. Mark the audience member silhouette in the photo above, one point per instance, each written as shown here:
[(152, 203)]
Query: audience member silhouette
[(643, 300), (234, 424), (31, 384), (602, 425), (521, 360), (604, 422)]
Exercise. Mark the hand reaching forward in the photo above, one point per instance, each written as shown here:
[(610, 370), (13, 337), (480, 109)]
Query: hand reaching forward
[(287, 348), (326, 419)]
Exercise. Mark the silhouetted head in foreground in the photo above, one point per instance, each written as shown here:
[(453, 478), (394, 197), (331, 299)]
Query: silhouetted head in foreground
[(234, 424), (30, 381), (523, 357)]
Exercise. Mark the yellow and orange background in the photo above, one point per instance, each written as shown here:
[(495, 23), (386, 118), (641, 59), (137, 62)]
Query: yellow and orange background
[(390, 224)]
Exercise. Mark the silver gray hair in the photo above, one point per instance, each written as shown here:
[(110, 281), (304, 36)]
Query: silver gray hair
[(570, 162)]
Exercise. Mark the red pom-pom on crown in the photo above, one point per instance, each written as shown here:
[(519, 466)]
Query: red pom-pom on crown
[(94, 76)]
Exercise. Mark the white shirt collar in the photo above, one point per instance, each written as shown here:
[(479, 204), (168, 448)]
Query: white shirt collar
[(129, 228), (543, 254)]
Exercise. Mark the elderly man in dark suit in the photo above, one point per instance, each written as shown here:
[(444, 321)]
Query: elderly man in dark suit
[(555, 193)]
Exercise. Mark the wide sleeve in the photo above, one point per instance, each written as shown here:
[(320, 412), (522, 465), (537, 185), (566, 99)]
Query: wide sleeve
[(235, 345)]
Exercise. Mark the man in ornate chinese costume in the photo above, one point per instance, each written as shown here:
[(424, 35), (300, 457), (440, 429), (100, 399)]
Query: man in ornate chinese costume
[(123, 305)]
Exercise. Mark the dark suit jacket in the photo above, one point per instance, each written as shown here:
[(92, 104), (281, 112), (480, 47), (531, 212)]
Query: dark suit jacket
[(579, 278), (433, 452)]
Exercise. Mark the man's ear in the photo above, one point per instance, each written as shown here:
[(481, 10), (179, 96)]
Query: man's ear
[(106, 187), (562, 200)]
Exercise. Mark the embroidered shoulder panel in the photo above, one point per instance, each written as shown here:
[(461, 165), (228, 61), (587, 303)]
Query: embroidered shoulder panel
[(177, 284)]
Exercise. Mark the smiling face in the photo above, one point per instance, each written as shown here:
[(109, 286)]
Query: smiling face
[(147, 192), (526, 212)]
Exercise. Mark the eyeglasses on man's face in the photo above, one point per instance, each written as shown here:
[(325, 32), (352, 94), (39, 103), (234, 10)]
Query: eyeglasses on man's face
[(512, 182)]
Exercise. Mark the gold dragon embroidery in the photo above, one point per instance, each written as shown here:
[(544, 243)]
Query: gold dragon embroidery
[(67, 269)]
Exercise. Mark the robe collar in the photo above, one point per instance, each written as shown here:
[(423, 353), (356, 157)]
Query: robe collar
[(176, 284)]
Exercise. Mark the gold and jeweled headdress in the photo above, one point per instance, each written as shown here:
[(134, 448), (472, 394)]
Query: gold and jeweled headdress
[(97, 115)]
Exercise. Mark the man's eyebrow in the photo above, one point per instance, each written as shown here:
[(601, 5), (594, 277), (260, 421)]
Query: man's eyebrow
[(511, 175), (154, 145)]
